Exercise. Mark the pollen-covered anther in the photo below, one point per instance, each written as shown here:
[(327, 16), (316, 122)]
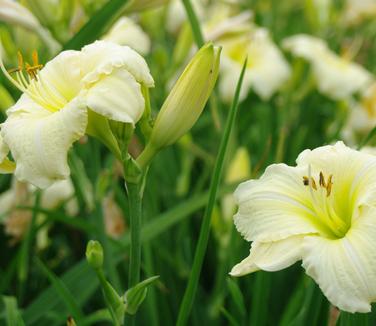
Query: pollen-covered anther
[(309, 181), (31, 70), (327, 185)]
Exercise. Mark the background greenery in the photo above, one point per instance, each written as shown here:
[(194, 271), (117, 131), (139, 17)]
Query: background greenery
[(45, 287)]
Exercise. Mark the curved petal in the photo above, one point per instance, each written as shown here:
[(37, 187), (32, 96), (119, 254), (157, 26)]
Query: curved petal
[(117, 96), (345, 269), (305, 46), (102, 57), (276, 206), (268, 68), (4, 150), (126, 32), (230, 71), (6, 165), (354, 174), (270, 256), (339, 78), (39, 140)]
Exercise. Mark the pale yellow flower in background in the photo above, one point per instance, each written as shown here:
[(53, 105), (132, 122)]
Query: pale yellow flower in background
[(176, 16), (362, 116), (336, 77), (358, 10), (321, 211), (266, 72), (76, 92), (126, 32), (239, 169), (15, 13)]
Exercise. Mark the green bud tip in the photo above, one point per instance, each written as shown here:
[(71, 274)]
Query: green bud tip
[(94, 254)]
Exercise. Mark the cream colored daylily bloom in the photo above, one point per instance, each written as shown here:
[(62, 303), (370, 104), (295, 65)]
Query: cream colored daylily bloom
[(336, 77), (176, 15), (239, 169), (126, 32), (362, 116), (13, 12), (102, 81), (321, 211), (358, 10), (267, 70)]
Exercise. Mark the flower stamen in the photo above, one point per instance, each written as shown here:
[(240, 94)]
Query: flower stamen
[(327, 185)]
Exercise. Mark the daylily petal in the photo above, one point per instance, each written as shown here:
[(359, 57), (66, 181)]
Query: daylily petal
[(274, 207), (102, 57), (126, 32), (266, 70), (345, 269), (62, 75), (6, 165), (39, 140), (117, 96), (270, 256), (305, 46), (354, 173), (336, 77)]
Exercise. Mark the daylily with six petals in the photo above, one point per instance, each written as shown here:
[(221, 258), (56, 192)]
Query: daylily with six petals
[(322, 211), (76, 92)]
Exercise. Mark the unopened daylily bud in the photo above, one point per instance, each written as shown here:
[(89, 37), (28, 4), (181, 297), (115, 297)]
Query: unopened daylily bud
[(185, 102), (94, 254)]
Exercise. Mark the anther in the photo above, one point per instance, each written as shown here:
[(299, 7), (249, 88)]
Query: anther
[(329, 186), (307, 181), (322, 180)]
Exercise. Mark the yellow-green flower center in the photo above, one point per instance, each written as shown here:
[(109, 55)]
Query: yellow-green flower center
[(28, 80), (332, 219)]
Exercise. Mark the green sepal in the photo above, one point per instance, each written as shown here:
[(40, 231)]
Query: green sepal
[(136, 295)]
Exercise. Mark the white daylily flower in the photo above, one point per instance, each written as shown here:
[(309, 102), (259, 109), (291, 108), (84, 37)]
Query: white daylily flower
[(336, 77), (362, 117), (104, 78), (267, 70), (14, 13), (357, 10), (126, 32), (322, 212), (176, 14)]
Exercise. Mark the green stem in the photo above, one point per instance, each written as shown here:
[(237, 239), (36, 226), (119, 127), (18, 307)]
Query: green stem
[(135, 203), (195, 25), (190, 291), (146, 156), (23, 263)]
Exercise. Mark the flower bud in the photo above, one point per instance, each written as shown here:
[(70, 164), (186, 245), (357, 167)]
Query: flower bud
[(188, 97), (185, 102), (94, 254)]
